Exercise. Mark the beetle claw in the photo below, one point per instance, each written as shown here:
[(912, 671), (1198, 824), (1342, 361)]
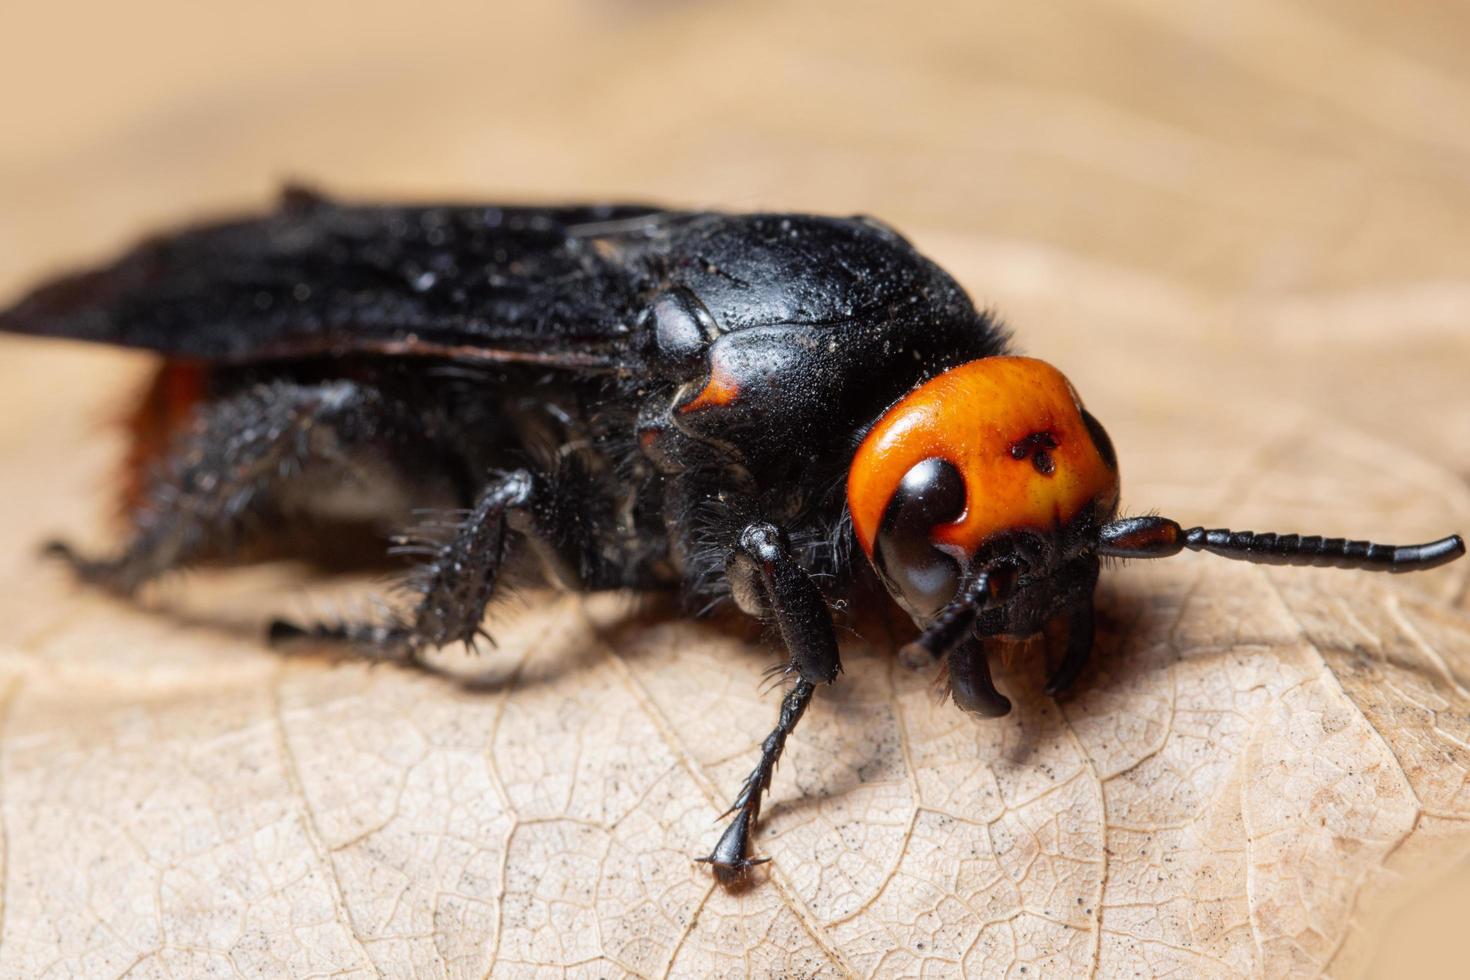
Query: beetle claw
[(731, 872)]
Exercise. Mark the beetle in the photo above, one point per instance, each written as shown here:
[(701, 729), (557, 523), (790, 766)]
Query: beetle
[(623, 397)]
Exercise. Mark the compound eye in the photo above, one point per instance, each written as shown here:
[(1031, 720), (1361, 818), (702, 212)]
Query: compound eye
[(682, 327), (921, 577)]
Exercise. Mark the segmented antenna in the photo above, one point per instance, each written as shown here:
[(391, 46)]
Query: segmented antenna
[(1320, 552), (1159, 537)]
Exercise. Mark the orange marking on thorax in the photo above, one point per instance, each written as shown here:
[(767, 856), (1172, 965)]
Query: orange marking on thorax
[(720, 389), (972, 416)]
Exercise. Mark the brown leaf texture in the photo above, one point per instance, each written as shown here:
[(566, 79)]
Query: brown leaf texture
[(1256, 760), (1243, 238)]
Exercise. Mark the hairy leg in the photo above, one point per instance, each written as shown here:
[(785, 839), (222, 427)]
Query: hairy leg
[(766, 579), (456, 580), (462, 566), (243, 454), (731, 855)]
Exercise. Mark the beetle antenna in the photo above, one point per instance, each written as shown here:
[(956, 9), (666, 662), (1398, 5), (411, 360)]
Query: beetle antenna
[(989, 587), (1159, 537)]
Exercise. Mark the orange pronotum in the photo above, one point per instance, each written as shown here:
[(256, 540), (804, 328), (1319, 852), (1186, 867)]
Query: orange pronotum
[(972, 416)]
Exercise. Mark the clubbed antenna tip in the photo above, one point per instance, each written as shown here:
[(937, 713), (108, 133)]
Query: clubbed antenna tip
[(1159, 537)]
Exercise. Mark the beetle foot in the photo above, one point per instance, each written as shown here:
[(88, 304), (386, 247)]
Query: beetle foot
[(729, 860)]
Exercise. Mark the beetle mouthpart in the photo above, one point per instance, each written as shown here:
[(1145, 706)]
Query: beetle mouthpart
[(990, 587), (970, 683), (1159, 537)]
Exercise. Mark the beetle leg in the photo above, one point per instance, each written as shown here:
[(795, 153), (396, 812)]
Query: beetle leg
[(730, 859), (461, 574), (1079, 648), (454, 586), (767, 579), (457, 584), (241, 453)]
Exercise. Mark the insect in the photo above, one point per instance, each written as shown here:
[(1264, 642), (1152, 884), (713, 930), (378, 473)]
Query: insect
[(731, 405)]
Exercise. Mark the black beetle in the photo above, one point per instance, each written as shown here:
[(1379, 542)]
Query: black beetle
[(643, 399)]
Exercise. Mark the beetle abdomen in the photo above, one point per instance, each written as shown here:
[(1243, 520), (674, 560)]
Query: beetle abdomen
[(173, 394)]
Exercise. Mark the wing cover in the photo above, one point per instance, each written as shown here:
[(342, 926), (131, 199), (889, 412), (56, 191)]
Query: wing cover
[(555, 286)]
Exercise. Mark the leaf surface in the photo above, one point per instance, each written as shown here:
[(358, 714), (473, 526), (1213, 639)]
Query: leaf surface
[(1242, 236), (1256, 759)]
